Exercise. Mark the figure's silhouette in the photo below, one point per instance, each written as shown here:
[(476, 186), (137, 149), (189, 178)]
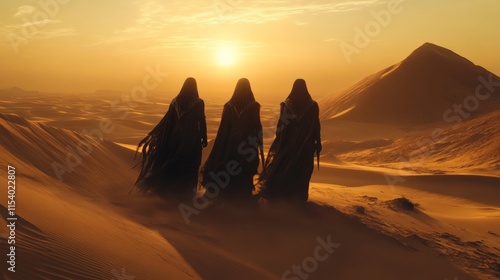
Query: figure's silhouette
[(235, 155), (290, 160), (171, 152)]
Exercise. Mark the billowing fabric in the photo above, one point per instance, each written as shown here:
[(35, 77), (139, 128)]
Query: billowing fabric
[(171, 152), (290, 161), (234, 159)]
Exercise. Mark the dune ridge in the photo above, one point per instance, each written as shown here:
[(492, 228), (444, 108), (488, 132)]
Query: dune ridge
[(471, 147)]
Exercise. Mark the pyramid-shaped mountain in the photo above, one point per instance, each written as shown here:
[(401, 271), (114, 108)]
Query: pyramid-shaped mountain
[(431, 85)]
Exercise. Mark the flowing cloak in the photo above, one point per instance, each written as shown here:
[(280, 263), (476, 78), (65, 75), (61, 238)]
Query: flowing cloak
[(174, 155), (290, 160), (234, 158)]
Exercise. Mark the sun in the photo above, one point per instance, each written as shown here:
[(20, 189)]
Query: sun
[(226, 56)]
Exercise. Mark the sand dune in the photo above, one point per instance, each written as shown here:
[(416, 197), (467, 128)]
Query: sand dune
[(89, 227), (434, 112), (471, 147), (72, 238), (455, 214), (416, 91), (65, 230), (64, 155)]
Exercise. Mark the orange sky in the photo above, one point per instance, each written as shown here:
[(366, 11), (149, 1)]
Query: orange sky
[(83, 46)]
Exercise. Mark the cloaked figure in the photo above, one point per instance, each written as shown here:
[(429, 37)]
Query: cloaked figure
[(229, 170), (290, 161), (171, 152)]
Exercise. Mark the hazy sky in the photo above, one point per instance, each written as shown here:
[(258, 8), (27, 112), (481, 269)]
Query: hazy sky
[(85, 45)]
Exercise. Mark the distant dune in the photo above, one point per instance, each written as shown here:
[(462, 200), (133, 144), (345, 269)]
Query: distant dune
[(471, 147), (433, 112), (64, 155), (417, 91)]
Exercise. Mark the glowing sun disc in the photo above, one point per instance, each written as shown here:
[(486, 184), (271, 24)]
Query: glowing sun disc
[(226, 56)]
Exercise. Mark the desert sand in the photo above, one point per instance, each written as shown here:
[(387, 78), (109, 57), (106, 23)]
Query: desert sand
[(401, 192)]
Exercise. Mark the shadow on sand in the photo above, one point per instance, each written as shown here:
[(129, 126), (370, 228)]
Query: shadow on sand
[(260, 241)]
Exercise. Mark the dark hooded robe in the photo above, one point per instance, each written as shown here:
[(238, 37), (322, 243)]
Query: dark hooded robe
[(290, 161), (234, 159), (171, 152)]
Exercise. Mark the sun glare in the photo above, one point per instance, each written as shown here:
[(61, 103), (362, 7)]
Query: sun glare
[(226, 56)]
